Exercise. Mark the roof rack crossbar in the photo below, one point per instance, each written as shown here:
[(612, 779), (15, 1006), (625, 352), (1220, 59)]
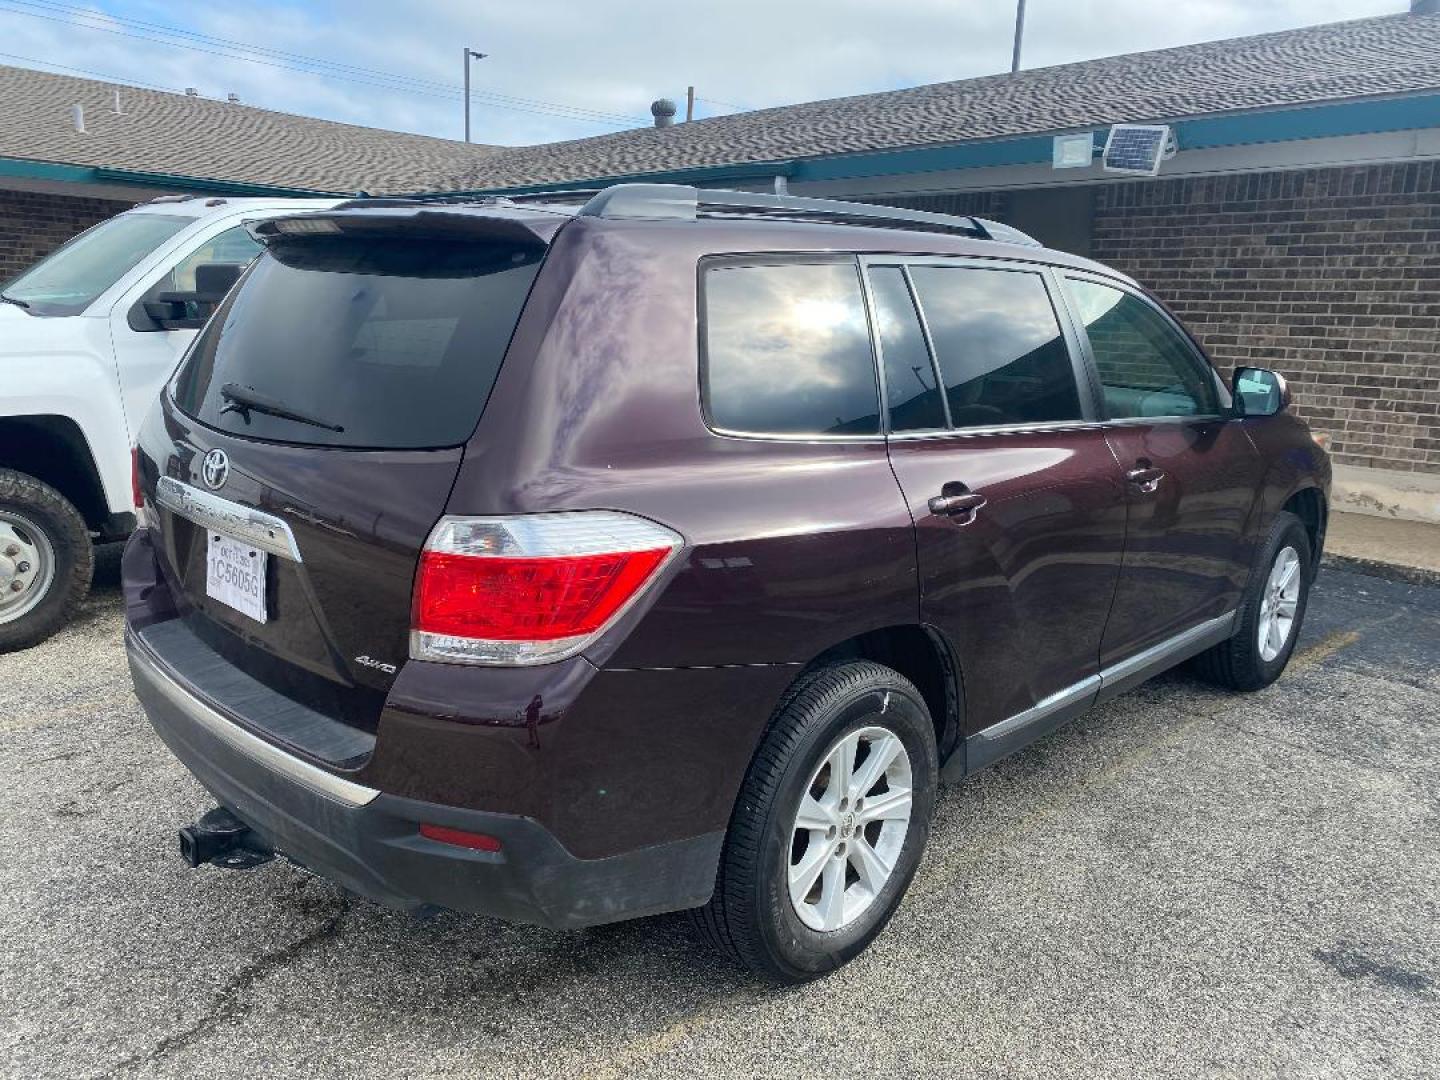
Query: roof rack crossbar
[(688, 203)]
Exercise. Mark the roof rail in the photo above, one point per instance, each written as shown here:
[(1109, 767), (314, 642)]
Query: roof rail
[(424, 198), (683, 202), (560, 195)]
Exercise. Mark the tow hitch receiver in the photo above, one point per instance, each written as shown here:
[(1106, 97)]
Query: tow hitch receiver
[(224, 840)]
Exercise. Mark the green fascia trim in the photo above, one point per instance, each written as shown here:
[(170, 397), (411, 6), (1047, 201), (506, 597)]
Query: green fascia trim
[(1203, 133), (28, 169), (25, 169), (200, 183), (1235, 129)]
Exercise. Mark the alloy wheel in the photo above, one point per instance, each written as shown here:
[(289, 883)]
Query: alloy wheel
[(1279, 603), (850, 828)]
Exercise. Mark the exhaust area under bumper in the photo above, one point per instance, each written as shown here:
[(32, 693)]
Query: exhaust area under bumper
[(370, 842)]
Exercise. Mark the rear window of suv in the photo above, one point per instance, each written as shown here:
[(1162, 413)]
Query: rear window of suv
[(384, 343), (787, 350)]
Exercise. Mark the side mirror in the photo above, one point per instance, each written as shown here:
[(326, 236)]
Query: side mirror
[(1260, 392), (186, 310), (214, 280)]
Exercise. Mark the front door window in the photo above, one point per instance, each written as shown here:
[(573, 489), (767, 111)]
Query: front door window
[(1146, 368)]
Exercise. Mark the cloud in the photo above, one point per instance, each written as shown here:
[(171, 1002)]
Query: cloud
[(616, 59)]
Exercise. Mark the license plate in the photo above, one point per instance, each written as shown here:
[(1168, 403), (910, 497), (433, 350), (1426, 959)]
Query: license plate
[(235, 575)]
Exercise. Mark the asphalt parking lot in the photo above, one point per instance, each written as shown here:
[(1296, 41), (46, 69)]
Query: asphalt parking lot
[(1182, 883)]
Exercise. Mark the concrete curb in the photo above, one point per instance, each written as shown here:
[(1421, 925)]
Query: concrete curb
[(1410, 575)]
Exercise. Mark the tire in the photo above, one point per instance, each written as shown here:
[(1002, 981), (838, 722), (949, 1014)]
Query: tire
[(751, 917), (1243, 662), (45, 546)]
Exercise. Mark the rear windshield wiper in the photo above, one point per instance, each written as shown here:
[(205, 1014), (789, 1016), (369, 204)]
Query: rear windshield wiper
[(15, 300), (244, 400)]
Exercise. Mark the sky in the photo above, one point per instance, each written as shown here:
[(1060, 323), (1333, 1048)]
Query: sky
[(562, 69)]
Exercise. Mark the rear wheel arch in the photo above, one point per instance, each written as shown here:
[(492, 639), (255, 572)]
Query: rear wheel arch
[(55, 451), (920, 654)]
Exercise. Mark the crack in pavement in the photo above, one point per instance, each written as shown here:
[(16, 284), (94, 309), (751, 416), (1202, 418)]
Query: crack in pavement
[(227, 1004)]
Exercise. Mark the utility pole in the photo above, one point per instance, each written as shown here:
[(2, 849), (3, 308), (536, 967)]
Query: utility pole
[(689, 104), (469, 52), (1019, 33)]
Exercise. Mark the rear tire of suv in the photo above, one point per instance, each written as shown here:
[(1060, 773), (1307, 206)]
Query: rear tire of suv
[(820, 850), (1270, 615), (46, 560)]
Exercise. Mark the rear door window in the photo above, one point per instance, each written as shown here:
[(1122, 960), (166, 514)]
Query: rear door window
[(999, 345), (912, 388), (787, 350), (379, 343), (1146, 367)]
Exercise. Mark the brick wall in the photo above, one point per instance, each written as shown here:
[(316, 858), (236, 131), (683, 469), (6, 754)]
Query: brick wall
[(33, 224), (1331, 276)]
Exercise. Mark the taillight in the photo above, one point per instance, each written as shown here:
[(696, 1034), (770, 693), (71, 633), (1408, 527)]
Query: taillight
[(135, 493), (533, 588)]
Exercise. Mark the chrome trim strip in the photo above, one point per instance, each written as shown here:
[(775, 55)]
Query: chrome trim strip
[(1142, 421), (1157, 653), (1048, 706), (774, 436), (1093, 684), (209, 511), (1056, 426), (260, 751)]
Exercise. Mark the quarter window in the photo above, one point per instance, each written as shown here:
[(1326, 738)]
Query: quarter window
[(911, 388), (787, 351), (1146, 367), (998, 342)]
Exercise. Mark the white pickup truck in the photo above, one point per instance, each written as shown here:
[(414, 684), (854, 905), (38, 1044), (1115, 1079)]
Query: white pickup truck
[(87, 338)]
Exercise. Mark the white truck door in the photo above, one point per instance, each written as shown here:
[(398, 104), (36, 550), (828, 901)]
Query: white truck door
[(145, 352)]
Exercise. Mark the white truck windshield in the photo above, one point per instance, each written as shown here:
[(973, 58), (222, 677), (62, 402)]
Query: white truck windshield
[(68, 281)]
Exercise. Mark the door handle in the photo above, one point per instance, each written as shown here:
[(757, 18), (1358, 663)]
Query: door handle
[(1146, 479), (953, 505)]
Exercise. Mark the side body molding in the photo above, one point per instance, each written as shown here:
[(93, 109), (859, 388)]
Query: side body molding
[(991, 744)]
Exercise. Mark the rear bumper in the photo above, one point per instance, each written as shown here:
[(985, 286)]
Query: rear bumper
[(369, 841)]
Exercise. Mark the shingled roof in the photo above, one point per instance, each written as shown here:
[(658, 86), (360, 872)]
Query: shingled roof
[(180, 135), (1364, 58), (176, 134)]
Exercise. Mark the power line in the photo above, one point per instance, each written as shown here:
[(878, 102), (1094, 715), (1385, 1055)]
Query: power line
[(727, 104), (295, 61), (309, 61), (306, 65), (97, 74), (175, 31)]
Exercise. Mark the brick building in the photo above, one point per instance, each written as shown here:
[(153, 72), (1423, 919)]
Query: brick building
[(1296, 227)]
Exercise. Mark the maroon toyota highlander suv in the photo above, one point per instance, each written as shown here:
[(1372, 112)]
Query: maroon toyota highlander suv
[(575, 558)]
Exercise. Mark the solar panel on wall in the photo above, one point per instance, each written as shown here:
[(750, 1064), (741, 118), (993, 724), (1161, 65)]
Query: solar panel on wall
[(1136, 148)]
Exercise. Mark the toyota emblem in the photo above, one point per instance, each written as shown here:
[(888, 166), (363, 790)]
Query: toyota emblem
[(215, 469)]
